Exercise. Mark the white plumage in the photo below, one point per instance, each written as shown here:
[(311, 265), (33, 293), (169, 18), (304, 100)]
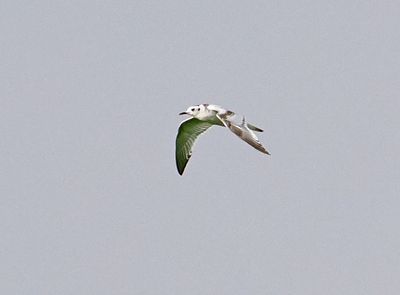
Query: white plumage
[(203, 116)]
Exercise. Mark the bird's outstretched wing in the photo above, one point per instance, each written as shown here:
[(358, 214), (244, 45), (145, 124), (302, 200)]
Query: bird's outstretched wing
[(188, 132), (244, 132)]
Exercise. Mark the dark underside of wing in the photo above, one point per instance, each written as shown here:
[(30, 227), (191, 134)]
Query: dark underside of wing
[(188, 132)]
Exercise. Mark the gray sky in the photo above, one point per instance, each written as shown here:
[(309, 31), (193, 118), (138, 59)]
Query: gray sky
[(91, 202)]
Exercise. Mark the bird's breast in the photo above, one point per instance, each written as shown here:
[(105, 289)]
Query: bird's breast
[(210, 118)]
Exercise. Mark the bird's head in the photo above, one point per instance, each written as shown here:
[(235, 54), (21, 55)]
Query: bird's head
[(192, 111)]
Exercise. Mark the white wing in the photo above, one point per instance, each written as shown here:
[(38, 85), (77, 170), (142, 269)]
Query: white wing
[(243, 131), (188, 132)]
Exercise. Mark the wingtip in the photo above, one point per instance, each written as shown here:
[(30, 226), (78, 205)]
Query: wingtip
[(180, 168), (265, 152)]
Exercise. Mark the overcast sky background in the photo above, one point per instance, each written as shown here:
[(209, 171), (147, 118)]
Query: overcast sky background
[(91, 202)]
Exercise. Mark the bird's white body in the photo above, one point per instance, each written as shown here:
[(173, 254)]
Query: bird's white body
[(207, 113), (204, 116)]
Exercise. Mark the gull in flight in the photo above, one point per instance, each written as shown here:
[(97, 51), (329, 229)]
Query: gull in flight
[(203, 116)]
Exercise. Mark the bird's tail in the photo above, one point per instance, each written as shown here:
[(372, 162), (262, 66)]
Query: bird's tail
[(254, 128), (251, 127)]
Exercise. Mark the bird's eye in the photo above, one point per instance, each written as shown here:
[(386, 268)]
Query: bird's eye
[(193, 110)]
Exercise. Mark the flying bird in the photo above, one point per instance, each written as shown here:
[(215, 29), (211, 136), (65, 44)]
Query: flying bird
[(203, 116)]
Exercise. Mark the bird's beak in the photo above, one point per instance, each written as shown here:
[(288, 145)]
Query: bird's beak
[(183, 113)]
